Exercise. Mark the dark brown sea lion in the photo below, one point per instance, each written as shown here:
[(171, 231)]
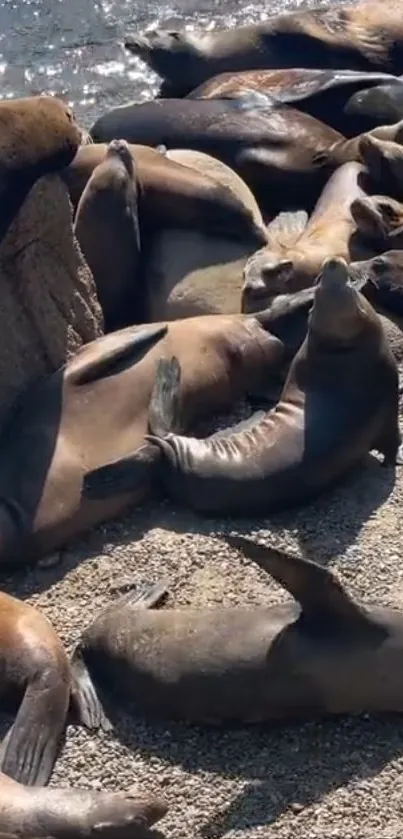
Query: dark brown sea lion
[(345, 150), (384, 160), (188, 272), (380, 220), (330, 414), (108, 231), (320, 654), (271, 146), (367, 36), (381, 281), (35, 672), (298, 247), (321, 93), (170, 195), (38, 135), (380, 104), (76, 813), (95, 410)]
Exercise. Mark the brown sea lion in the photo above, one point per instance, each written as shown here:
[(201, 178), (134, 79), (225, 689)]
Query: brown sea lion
[(171, 196), (366, 36), (379, 219), (76, 813), (329, 416), (345, 150), (380, 104), (95, 410), (384, 160), (108, 231), (35, 672), (271, 146), (321, 654), (321, 93), (298, 247), (38, 135), (189, 273), (381, 281)]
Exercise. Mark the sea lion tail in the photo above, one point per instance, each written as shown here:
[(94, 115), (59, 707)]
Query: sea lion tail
[(85, 703), (164, 406)]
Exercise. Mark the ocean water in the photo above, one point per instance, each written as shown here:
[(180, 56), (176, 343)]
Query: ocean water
[(74, 48)]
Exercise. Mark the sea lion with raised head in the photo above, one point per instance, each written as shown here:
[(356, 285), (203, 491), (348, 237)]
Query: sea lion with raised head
[(269, 145), (189, 272), (35, 672), (380, 220), (39, 135), (321, 654), (107, 228), (366, 36), (298, 246), (346, 150), (321, 93), (384, 161), (95, 410), (330, 415), (41, 813)]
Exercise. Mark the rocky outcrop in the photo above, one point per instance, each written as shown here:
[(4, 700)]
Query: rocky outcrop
[(48, 302)]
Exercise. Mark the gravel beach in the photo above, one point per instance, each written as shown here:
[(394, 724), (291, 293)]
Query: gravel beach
[(339, 778)]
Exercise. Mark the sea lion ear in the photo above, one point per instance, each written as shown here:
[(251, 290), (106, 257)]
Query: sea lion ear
[(320, 594)]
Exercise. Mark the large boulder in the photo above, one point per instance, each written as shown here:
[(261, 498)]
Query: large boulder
[(48, 302)]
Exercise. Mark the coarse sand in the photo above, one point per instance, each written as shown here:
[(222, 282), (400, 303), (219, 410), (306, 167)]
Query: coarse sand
[(338, 778)]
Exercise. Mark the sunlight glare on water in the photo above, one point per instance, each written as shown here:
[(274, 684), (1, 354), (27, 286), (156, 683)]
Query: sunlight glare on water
[(74, 48)]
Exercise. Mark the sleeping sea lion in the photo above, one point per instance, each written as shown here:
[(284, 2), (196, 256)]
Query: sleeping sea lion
[(320, 654), (380, 104), (95, 410), (270, 145), (38, 135), (345, 150), (384, 161), (188, 273), (107, 228), (35, 672), (330, 415), (321, 93), (366, 36), (171, 196), (298, 247), (380, 220), (76, 813)]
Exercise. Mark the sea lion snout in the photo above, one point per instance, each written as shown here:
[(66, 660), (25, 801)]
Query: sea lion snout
[(334, 275), (120, 149)]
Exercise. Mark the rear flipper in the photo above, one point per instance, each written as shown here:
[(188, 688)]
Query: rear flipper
[(85, 697), (30, 748)]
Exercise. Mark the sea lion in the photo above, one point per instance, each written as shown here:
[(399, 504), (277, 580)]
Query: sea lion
[(384, 161), (381, 281), (95, 410), (366, 36), (320, 654), (330, 415), (321, 93), (35, 671), (298, 247), (76, 813), (107, 228), (380, 104), (190, 273), (39, 135), (380, 220), (345, 150), (171, 196), (269, 145)]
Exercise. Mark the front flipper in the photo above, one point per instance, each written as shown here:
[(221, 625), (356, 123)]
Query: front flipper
[(113, 353), (127, 474), (29, 749)]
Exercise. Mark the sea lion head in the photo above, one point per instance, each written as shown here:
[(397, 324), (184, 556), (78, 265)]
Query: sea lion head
[(384, 160), (383, 279), (377, 216), (377, 102), (266, 274), (119, 149), (173, 54), (339, 312)]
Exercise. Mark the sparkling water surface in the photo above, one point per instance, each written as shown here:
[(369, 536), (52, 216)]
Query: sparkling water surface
[(74, 48)]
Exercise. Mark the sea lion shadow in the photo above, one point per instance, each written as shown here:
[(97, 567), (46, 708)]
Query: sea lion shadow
[(282, 767)]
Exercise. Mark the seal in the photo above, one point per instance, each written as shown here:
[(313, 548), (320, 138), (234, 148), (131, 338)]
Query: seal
[(384, 160), (108, 231), (77, 813), (346, 150), (170, 195), (298, 247), (321, 93), (380, 104), (189, 272), (95, 410), (271, 146), (366, 36), (380, 220), (328, 418), (320, 654), (36, 672), (39, 135)]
